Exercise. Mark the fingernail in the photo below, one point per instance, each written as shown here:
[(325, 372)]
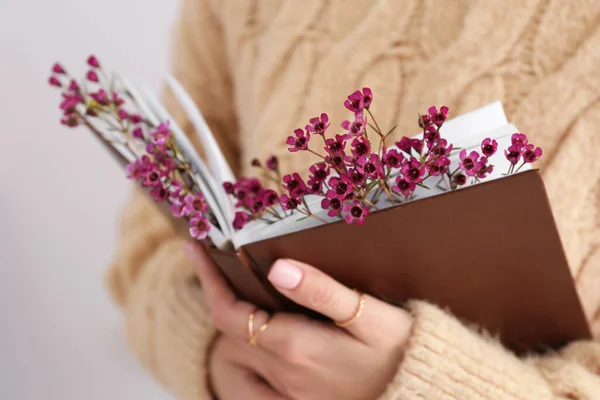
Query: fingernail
[(285, 275)]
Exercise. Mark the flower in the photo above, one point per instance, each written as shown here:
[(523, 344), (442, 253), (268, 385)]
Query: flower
[(122, 114), (195, 203), (404, 186), (513, 153), (370, 166), (530, 154), (241, 218), (333, 204), (199, 226), (440, 147), (70, 120), (255, 204), (318, 126), (288, 203), (294, 185), (228, 187), (58, 69), (460, 179), (117, 100), (356, 128), (367, 97), (319, 171), (392, 158), (485, 169), (92, 76), (489, 147), (53, 81), (342, 186), (70, 102), (159, 194), (355, 212), (355, 102), (356, 177), (412, 170), (335, 146), (436, 117), (270, 197), (135, 118), (74, 86), (470, 162), (519, 138), (272, 163), (100, 97), (417, 144), (138, 133), (93, 62), (361, 147), (406, 144), (438, 166), (153, 176), (300, 142), (161, 136)]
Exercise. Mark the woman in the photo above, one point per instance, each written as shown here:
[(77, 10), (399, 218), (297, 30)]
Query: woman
[(257, 70)]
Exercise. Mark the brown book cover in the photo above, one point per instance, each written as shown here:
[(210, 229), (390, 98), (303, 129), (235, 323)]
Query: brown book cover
[(489, 253)]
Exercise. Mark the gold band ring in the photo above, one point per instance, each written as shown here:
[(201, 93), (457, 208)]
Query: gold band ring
[(357, 312), (253, 336)]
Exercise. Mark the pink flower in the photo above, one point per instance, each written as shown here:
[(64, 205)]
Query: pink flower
[(255, 204), (355, 212), (460, 179), (513, 153), (300, 142), (117, 100), (122, 114), (137, 170), (241, 218), (470, 162), (294, 185), (342, 186), (270, 197), (159, 194), (406, 144), (404, 186), (318, 126), (356, 128), (288, 203), (440, 147), (152, 177), (319, 171), (530, 154), (314, 186), (367, 97), (335, 146), (58, 69), (485, 169), (438, 166), (272, 163), (70, 102), (520, 139), (417, 144), (489, 147), (393, 159), (161, 136), (93, 62), (74, 86), (361, 147), (333, 204), (356, 177), (53, 81), (228, 187), (371, 166), (135, 118), (138, 133), (199, 226), (412, 170), (100, 97), (70, 120), (194, 204), (92, 76), (436, 117), (355, 102)]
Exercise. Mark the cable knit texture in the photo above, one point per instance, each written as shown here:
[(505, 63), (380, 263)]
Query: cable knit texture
[(258, 69)]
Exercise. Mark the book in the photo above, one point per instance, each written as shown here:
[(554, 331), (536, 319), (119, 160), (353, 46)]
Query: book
[(492, 254)]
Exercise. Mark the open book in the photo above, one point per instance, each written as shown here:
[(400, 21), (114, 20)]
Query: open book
[(489, 252)]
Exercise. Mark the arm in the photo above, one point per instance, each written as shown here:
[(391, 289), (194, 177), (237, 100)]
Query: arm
[(151, 278)]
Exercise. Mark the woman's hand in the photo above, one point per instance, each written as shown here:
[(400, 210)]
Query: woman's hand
[(297, 357)]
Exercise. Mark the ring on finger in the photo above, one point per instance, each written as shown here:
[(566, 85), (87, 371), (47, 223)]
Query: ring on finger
[(357, 313), (253, 336)]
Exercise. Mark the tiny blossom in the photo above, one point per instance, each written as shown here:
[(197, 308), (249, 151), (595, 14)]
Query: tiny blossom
[(404, 186), (368, 97), (371, 166), (333, 205), (199, 226), (361, 147), (319, 172), (288, 203), (153, 176), (93, 62), (159, 194), (53, 81), (355, 102), (335, 146), (294, 185), (393, 159), (92, 76), (270, 197), (530, 154), (514, 153), (161, 136), (438, 166), (122, 114), (272, 163), (255, 204), (489, 147), (117, 100), (355, 212), (135, 118), (356, 177), (228, 187), (470, 163), (318, 126), (356, 128), (195, 203), (137, 169), (58, 69), (412, 170), (70, 102), (436, 117), (424, 121), (138, 133), (342, 187), (404, 145), (70, 120), (100, 97), (485, 168), (74, 86), (314, 186), (337, 161), (460, 179), (417, 144), (240, 220), (520, 139), (300, 142)]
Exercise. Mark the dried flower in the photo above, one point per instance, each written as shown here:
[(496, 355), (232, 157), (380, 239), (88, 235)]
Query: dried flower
[(300, 142), (460, 179), (355, 212)]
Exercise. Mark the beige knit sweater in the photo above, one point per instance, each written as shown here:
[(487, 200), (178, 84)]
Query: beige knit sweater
[(259, 69)]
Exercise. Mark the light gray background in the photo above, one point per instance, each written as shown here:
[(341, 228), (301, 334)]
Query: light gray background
[(60, 335)]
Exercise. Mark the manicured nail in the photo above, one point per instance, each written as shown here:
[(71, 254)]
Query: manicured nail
[(285, 275)]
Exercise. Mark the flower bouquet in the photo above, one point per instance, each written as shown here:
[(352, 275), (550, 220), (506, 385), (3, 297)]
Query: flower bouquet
[(454, 215)]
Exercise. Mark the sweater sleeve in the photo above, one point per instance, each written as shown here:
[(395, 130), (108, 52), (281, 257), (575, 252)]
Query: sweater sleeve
[(151, 278)]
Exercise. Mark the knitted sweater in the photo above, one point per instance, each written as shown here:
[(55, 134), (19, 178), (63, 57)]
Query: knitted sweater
[(259, 69)]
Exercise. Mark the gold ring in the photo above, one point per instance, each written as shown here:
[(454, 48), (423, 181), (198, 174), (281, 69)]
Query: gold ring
[(252, 336), (357, 313)]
